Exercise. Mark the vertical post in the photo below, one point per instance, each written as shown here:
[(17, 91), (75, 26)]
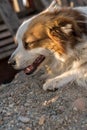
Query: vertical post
[(9, 16), (20, 2)]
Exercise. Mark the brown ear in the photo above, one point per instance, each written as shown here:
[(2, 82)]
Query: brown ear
[(63, 29)]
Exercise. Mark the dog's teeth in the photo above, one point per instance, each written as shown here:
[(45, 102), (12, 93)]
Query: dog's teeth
[(28, 69)]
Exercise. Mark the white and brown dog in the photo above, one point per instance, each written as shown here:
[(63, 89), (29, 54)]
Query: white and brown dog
[(57, 41)]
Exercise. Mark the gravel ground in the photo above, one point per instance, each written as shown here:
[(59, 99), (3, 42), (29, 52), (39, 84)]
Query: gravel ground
[(24, 105)]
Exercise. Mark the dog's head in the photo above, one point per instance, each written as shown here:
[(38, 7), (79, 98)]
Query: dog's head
[(46, 37)]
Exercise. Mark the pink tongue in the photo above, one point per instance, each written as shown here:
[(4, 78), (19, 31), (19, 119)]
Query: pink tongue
[(29, 69)]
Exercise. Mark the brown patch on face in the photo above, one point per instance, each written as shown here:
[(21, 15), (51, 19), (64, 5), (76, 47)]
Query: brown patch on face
[(34, 34), (55, 31), (41, 39)]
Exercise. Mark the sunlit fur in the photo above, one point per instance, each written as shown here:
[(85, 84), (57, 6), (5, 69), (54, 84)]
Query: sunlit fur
[(61, 36)]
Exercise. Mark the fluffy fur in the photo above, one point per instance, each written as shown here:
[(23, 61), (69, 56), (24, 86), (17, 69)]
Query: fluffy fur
[(61, 38)]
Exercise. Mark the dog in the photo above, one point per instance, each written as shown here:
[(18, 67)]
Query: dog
[(56, 41)]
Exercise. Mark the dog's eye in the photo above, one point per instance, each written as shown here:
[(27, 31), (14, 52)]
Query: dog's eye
[(25, 45)]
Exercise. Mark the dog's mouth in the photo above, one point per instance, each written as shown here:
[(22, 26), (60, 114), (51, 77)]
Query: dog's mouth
[(31, 68)]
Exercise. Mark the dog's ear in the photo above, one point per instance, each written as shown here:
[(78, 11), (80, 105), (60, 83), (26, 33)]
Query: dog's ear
[(63, 28), (67, 29)]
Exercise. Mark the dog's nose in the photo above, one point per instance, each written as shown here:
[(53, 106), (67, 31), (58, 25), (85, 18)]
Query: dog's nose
[(12, 61)]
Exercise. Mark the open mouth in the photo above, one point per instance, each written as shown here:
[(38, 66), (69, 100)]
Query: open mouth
[(31, 68)]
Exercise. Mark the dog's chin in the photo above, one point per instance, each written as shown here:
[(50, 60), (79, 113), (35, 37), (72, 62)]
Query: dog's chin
[(35, 65)]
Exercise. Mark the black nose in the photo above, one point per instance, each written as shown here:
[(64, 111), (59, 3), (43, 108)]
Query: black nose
[(12, 62)]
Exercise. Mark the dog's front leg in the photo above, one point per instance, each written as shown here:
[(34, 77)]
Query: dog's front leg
[(61, 80)]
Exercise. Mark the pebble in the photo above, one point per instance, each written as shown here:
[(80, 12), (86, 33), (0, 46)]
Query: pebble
[(8, 114), (79, 104), (42, 120), (11, 105), (60, 109), (1, 110), (28, 128), (24, 119), (1, 121), (26, 104)]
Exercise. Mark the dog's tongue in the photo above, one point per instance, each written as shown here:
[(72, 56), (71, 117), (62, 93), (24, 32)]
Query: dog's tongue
[(31, 68)]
